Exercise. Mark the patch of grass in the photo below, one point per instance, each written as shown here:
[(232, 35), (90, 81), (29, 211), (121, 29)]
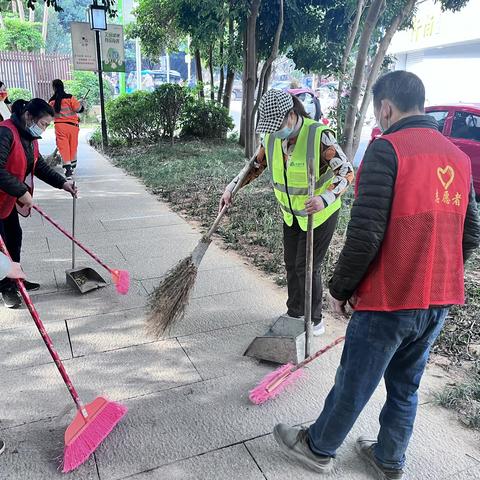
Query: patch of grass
[(464, 398)]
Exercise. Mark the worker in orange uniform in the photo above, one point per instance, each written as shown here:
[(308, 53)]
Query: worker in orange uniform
[(66, 108)]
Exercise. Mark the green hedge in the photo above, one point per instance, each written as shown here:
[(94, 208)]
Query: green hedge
[(19, 93), (145, 117), (206, 120)]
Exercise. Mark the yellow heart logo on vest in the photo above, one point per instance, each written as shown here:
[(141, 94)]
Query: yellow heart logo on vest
[(446, 176)]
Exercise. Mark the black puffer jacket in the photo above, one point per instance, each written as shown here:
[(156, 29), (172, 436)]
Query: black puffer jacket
[(371, 212), (9, 183)]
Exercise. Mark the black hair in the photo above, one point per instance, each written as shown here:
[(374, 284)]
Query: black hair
[(59, 94), (404, 89), (1, 84), (36, 107), (298, 107)]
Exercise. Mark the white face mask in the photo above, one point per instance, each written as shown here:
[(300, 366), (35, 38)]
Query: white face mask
[(35, 130), (379, 124)]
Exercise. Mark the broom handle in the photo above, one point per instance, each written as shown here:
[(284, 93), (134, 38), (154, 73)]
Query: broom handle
[(223, 211), (46, 338), (309, 263), (72, 238), (313, 357)]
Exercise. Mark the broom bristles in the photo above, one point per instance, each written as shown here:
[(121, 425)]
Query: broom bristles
[(92, 435), (170, 299), (121, 278), (268, 389)]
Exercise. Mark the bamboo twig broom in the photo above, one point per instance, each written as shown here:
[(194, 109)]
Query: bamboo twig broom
[(170, 299)]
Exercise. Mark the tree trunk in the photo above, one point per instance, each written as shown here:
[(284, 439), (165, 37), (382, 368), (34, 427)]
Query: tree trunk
[(227, 94), (374, 12), (212, 80), (250, 77), (44, 27), (352, 34), (21, 10), (14, 7), (241, 139), (222, 75), (198, 68), (31, 15), (2, 23), (267, 66), (376, 66)]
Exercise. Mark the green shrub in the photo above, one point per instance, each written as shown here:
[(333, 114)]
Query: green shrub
[(134, 117), (19, 93), (169, 99), (95, 139), (206, 120)]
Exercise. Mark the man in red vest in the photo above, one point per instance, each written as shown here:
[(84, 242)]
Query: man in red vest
[(414, 223)]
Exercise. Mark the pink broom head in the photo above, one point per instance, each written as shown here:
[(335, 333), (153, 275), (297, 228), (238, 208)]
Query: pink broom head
[(121, 279), (83, 436), (274, 383)]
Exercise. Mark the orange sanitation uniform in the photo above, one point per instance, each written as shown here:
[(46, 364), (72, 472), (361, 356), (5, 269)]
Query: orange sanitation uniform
[(67, 129)]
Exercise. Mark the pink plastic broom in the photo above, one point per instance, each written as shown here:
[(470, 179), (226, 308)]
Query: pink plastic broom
[(93, 421), (274, 383), (121, 278)]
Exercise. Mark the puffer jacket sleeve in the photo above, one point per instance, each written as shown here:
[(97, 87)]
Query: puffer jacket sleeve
[(369, 218), (471, 231)]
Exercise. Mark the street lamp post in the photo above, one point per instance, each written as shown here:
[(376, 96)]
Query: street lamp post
[(98, 22)]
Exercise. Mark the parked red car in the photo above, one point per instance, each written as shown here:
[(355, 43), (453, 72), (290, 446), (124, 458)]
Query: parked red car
[(460, 123)]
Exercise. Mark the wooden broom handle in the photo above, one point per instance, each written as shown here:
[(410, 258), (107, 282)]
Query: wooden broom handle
[(224, 210)]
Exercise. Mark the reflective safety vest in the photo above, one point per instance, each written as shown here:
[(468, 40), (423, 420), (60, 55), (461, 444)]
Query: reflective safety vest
[(68, 111), (290, 181)]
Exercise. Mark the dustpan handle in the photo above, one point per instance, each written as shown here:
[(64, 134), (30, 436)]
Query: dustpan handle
[(46, 338), (73, 239)]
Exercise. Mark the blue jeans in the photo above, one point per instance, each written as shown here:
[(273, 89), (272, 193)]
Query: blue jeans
[(393, 345)]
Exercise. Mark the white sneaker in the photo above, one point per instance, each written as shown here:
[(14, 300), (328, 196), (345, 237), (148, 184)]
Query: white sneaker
[(2, 446), (318, 329)]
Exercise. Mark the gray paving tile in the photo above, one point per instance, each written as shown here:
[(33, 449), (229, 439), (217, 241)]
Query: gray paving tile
[(34, 451), (23, 346), (120, 374), (234, 462)]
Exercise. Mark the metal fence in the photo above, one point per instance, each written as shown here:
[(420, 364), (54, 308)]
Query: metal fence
[(34, 71)]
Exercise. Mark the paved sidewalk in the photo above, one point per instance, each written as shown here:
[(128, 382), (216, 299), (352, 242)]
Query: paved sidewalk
[(189, 415)]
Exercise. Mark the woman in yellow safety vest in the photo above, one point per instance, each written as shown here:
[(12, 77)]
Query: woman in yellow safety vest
[(290, 139)]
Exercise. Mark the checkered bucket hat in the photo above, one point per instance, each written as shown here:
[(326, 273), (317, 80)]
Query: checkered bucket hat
[(274, 105)]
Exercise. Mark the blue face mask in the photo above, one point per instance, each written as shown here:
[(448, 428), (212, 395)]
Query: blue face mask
[(285, 132), (35, 130)]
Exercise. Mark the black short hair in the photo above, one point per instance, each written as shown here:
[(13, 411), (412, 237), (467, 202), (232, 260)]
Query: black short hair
[(404, 89)]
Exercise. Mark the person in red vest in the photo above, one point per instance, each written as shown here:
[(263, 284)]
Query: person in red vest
[(67, 121), (20, 161), (413, 225)]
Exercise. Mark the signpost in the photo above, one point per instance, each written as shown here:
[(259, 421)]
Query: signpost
[(98, 47), (83, 46)]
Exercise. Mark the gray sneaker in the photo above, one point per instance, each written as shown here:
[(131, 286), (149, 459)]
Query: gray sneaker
[(294, 443), (365, 448)]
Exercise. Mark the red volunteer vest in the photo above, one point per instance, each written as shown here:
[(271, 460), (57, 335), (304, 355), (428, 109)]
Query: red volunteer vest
[(420, 261), (16, 166)]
